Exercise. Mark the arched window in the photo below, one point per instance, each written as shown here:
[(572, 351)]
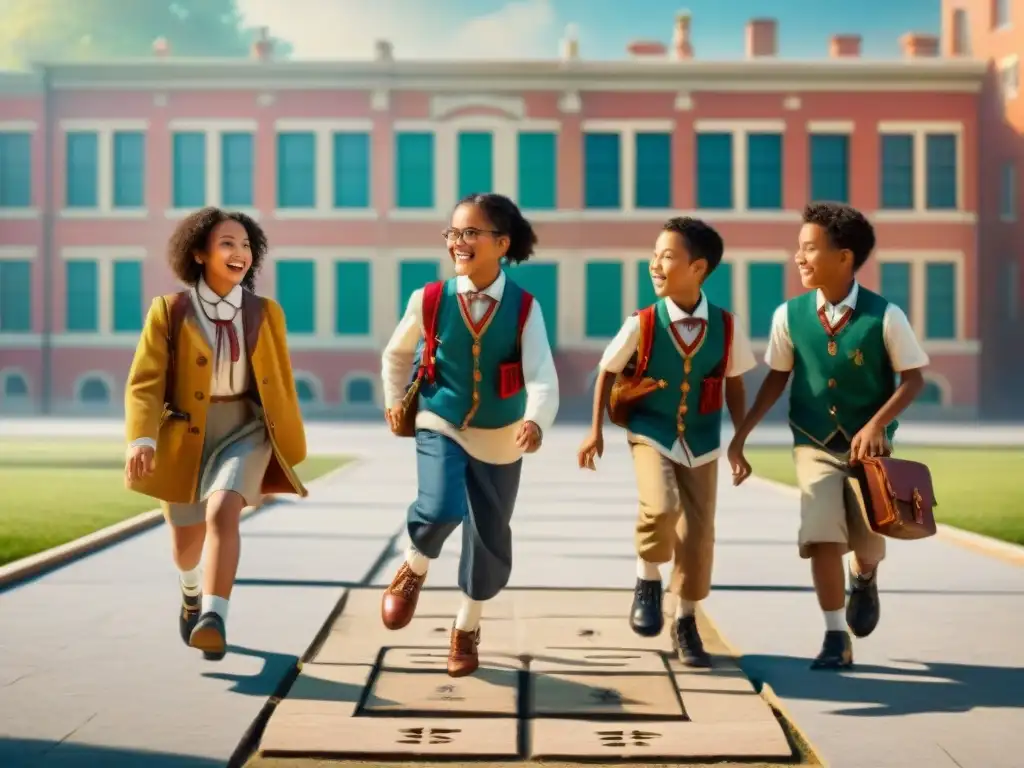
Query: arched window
[(93, 390), (359, 390), (15, 385), (961, 33), (306, 390), (931, 394)]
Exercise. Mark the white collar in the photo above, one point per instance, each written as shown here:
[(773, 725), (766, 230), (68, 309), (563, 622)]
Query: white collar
[(209, 296), (850, 301), (495, 290), (677, 314)]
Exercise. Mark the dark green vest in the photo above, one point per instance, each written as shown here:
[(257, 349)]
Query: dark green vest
[(450, 396), (658, 416), (840, 393)]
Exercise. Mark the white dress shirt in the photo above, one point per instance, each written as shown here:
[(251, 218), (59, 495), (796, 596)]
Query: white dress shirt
[(493, 446), (622, 348), (901, 344)]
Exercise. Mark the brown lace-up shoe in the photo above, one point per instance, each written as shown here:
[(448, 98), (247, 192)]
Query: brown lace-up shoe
[(399, 603), (462, 656)]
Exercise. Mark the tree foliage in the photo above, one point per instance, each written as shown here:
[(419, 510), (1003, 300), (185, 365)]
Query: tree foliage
[(90, 30)]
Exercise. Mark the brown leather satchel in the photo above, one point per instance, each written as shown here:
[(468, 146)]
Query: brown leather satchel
[(898, 497)]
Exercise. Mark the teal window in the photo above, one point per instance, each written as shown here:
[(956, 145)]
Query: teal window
[(129, 169), (296, 170), (476, 163), (94, 390), (538, 171), (359, 391), (830, 167), (714, 171), (764, 171), (236, 158), (603, 298), (895, 283), (305, 390), (15, 385), (127, 295), (940, 300), (718, 286), (653, 170), (353, 291), (15, 296), (940, 165), (351, 170), (897, 172), (296, 293), (189, 170), (414, 170), (601, 174), (413, 275), (645, 295), (541, 280), (767, 290), (82, 286), (931, 394), (15, 170), (81, 176)]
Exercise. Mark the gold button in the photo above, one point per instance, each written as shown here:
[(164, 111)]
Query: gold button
[(270, 425), (682, 427), (831, 383), (476, 397), (476, 350), (266, 381), (683, 409), (687, 366), (686, 386), (200, 360), (477, 376), (194, 430), (199, 395), (832, 411)]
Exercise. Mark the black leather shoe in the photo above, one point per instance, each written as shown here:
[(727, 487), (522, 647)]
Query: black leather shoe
[(210, 637), (645, 618), (836, 652), (863, 609), (688, 645), (188, 615)]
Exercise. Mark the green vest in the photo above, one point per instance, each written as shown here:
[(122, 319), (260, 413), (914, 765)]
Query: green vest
[(840, 393), (658, 416), (451, 394)]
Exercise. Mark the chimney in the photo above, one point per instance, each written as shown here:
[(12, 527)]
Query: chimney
[(645, 49), (681, 46), (263, 48), (917, 45), (570, 44), (844, 46), (161, 48), (385, 51), (761, 38)]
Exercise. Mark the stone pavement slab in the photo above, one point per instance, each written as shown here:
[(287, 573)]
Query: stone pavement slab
[(573, 688)]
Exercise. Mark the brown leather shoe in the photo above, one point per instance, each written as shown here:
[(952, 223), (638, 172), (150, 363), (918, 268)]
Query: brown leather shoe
[(399, 603), (462, 656)]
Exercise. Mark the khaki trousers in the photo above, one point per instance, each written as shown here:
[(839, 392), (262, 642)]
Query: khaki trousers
[(676, 520), (832, 507)]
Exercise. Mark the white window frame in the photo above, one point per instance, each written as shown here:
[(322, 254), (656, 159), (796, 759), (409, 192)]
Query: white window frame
[(10, 372), (104, 130), (348, 378), (103, 376), (17, 339), (315, 383), (627, 131), (105, 335), (213, 129), (920, 212), (31, 211)]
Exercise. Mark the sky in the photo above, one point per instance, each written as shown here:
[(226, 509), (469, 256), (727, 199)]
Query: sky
[(504, 29)]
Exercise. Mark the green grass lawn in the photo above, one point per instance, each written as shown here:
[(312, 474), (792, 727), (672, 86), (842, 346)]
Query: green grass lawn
[(977, 489), (57, 490)]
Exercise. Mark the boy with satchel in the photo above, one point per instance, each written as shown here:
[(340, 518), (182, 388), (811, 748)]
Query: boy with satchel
[(840, 346), (665, 378)]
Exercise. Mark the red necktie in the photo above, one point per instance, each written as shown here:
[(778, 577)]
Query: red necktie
[(227, 328)]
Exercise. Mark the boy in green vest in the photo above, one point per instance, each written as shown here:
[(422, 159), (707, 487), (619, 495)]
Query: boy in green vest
[(697, 354), (842, 346)]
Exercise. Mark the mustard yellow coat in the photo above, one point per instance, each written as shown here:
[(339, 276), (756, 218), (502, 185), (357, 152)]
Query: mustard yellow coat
[(179, 442)]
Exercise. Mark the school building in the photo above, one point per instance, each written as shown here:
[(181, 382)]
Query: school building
[(353, 167)]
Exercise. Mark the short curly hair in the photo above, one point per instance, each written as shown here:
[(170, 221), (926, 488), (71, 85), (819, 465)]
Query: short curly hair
[(701, 240), (847, 228), (192, 236)]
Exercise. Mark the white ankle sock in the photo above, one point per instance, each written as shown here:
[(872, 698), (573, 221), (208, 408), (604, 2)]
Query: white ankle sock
[(647, 571), (469, 614), (835, 621), (190, 581), (218, 605), (685, 608), (417, 561)]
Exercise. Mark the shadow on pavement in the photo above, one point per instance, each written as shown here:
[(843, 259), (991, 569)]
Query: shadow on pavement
[(876, 691), (30, 753)]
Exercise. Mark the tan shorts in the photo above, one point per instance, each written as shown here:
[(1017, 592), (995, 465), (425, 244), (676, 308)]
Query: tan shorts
[(831, 506)]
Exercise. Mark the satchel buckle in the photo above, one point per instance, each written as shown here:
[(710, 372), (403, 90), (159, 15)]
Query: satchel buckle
[(918, 506)]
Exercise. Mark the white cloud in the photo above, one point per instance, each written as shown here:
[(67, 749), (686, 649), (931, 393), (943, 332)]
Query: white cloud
[(348, 29)]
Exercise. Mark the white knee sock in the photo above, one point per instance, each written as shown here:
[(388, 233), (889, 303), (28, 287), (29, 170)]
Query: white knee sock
[(469, 614), (835, 621), (685, 608), (417, 562), (190, 581), (218, 605), (647, 571)]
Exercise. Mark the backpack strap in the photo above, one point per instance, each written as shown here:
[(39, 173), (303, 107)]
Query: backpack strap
[(525, 305), (431, 305), (727, 322), (176, 306), (646, 341)]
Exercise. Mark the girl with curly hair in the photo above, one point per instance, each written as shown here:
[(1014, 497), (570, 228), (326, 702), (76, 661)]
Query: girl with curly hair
[(211, 414)]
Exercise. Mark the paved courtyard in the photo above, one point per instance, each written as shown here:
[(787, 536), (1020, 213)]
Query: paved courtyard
[(92, 671)]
